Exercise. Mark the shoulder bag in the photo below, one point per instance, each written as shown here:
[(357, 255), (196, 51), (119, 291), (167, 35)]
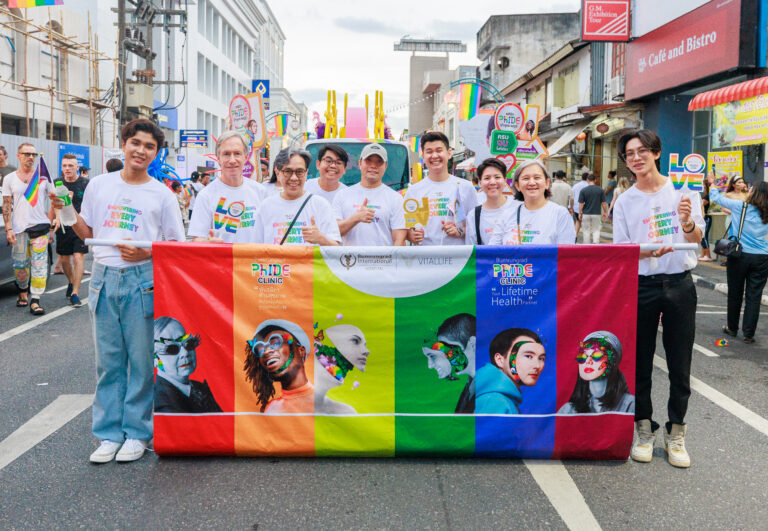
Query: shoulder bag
[(293, 221), (731, 246), (478, 210)]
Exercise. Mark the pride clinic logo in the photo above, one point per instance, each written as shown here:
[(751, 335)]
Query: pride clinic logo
[(512, 274), (270, 273)]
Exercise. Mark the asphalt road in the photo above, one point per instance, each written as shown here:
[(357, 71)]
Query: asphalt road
[(52, 485)]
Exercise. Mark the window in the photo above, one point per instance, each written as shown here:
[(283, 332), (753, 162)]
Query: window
[(619, 59), (702, 131), (201, 10), (215, 82), (537, 96), (566, 87), (200, 72)]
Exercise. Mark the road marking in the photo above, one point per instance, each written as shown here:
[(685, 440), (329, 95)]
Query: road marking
[(38, 321), (563, 494), (730, 405), (62, 288), (705, 351), (709, 306), (722, 312), (35, 430)]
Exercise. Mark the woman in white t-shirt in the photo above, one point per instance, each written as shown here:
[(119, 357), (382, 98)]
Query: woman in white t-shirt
[(492, 183), (536, 220)]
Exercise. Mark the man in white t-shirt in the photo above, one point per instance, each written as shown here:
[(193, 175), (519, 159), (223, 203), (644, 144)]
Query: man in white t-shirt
[(652, 211), (370, 212), (196, 187), (27, 228), (448, 198), (225, 210), (331, 164), (125, 205), (294, 216)]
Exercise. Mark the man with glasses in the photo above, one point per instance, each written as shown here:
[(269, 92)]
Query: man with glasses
[(296, 217), (27, 224), (652, 211), (176, 360), (331, 164), (370, 212), (5, 168)]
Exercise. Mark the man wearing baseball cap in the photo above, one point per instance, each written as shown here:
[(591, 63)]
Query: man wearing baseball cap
[(277, 353), (370, 212)]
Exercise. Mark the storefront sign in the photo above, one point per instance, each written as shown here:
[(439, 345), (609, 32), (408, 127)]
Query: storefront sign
[(725, 165), (696, 45), (193, 138), (741, 123), (605, 20)]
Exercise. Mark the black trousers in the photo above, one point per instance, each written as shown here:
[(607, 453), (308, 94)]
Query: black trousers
[(750, 271), (673, 297)]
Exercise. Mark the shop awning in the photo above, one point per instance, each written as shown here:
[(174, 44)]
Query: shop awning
[(739, 91), (466, 165), (568, 136)]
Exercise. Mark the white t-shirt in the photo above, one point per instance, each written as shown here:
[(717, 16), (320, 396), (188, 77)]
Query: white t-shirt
[(198, 188), (24, 215), (576, 189), (271, 188), (549, 225), (229, 211), (640, 217), (276, 214), (389, 215), (488, 219), (444, 197), (116, 210), (313, 187)]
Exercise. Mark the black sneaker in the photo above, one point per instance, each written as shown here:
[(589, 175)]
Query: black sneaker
[(749, 340), (75, 301), (69, 291), (729, 331)]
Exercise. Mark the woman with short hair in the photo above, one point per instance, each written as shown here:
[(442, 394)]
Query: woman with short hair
[(493, 182)]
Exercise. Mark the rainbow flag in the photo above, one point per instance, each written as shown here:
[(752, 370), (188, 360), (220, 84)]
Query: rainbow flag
[(281, 125), (415, 143), (469, 101), (33, 3), (41, 173)]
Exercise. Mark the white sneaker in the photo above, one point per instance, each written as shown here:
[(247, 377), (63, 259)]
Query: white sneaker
[(105, 452), (132, 450), (642, 450), (674, 444)]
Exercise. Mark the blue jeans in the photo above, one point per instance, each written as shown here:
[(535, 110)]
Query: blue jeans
[(121, 303)]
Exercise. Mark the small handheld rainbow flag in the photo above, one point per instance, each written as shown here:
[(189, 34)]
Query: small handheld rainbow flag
[(281, 124), (41, 173), (415, 143), (469, 100), (33, 3)]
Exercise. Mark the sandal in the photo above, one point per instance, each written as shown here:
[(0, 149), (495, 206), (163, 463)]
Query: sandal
[(21, 303), (35, 308)]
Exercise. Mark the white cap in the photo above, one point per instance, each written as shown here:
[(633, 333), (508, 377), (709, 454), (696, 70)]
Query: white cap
[(374, 149), (292, 328)]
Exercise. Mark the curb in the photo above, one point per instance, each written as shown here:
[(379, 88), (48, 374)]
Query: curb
[(720, 287)]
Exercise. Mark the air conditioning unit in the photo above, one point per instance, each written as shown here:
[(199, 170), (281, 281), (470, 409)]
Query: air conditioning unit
[(138, 95), (617, 88)]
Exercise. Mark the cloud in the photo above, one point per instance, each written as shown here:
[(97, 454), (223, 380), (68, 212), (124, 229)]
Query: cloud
[(310, 94), (367, 25)]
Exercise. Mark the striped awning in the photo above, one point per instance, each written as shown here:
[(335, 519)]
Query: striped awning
[(739, 91)]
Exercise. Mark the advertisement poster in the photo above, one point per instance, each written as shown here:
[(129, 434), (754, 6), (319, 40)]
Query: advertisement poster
[(353, 351), (740, 123), (726, 165), (605, 20), (81, 152)]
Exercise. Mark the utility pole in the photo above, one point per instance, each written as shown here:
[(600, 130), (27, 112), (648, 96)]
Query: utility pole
[(121, 56)]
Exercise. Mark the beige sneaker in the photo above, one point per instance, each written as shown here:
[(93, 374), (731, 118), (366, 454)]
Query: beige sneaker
[(642, 449), (674, 444)]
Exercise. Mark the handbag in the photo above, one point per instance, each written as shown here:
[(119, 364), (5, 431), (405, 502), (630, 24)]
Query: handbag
[(478, 210), (731, 246)]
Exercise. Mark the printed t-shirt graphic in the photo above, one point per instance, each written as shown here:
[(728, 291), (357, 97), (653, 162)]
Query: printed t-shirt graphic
[(388, 214), (116, 210), (229, 211), (442, 198), (276, 214), (549, 225), (488, 220), (25, 215), (313, 187), (641, 217)]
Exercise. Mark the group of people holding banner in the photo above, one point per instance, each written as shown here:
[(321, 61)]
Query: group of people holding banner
[(130, 204)]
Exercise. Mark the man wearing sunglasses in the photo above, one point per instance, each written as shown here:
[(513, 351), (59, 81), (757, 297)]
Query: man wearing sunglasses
[(176, 360), (26, 228), (277, 353)]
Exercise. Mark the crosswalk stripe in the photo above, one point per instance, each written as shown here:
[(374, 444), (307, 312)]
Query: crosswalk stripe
[(40, 320)]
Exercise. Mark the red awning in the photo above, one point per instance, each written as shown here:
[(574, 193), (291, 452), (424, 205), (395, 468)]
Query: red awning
[(739, 91)]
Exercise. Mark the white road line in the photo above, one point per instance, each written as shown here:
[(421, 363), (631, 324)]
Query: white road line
[(35, 430), (40, 320), (710, 306), (62, 288), (730, 405), (722, 312), (705, 351), (563, 494)]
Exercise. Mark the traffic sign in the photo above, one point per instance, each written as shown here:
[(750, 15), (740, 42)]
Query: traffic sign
[(193, 138)]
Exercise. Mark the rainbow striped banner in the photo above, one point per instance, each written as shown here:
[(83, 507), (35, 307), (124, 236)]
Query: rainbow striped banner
[(33, 188), (469, 100), (33, 3), (415, 143), (281, 124)]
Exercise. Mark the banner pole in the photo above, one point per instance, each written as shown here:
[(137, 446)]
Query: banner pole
[(135, 243)]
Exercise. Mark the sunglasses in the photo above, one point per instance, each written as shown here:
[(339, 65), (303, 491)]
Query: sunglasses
[(597, 355), (273, 342), (33, 155), (172, 347)]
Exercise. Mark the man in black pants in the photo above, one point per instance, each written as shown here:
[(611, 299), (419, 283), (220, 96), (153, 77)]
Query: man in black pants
[(69, 247), (652, 211)]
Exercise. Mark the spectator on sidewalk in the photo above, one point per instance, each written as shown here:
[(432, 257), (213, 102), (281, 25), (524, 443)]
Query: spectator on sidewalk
[(705, 255), (610, 186), (749, 271), (576, 190), (5, 168), (592, 206), (622, 187), (113, 165), (492, 183), (652, 211), (562, 194), (183, 200)]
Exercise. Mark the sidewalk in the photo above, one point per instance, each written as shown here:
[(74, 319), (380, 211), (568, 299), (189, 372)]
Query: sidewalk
[(708, 275)]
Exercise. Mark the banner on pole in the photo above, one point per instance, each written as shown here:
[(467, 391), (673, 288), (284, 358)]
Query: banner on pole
[(394, 351)]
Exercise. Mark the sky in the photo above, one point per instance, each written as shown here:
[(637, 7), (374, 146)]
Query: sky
[(347, 45)]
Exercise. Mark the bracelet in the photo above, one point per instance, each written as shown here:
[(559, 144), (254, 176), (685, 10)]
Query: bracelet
[(461, 232), (692, 229)]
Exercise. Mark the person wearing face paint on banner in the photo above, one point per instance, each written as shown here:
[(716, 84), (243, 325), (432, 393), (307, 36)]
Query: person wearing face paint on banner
[(338, 350), (600, 385), (517, 359), (176, 360), (277, 353)]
